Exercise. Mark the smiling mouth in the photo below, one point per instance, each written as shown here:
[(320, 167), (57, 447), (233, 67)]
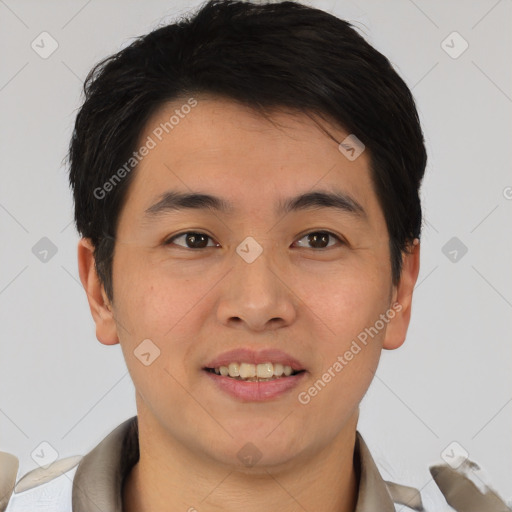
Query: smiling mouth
[(247, 372)]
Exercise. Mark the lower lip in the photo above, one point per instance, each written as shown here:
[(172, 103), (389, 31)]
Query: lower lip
[(256, 391)]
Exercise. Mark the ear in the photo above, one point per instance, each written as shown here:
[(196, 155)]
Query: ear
[(402, 298), (101, 309)]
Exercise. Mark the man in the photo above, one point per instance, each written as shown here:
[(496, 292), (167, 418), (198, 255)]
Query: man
[(246, 187)]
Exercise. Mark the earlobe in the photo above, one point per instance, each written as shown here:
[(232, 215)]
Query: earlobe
[(101, 309), (397, 328)]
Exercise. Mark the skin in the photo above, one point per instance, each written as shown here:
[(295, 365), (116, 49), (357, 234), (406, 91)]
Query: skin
[(195, 304)]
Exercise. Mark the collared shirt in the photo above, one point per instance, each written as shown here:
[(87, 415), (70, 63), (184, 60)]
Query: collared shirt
[(97, 482)]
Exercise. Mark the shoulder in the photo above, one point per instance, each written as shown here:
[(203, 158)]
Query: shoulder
[(58, 485), (404, 497), (42, 489), (8, 470)]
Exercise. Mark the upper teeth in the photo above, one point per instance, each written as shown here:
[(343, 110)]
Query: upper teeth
[(248, 370)]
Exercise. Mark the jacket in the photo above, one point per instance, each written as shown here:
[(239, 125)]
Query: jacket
[(94, 482)]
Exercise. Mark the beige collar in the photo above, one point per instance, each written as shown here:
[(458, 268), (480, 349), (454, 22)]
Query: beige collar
[(99, 478)]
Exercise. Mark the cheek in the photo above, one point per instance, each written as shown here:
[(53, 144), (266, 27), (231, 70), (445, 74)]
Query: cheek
[(147, 302), (348, 304), (161, 307), (350, 352), (351, 347), (152, 319)]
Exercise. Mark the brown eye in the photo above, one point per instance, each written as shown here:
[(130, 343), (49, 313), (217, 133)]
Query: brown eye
[(319, 239), (190, 240)]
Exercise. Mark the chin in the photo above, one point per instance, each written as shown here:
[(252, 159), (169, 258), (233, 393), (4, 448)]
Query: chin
[(251, 449)]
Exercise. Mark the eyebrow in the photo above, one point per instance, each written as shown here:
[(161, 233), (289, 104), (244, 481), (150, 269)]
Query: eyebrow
[(319, 199)]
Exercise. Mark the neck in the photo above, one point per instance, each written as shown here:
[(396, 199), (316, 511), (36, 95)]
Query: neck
[(168, 477)]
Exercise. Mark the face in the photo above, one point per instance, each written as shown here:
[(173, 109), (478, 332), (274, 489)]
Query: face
[(303, 282)]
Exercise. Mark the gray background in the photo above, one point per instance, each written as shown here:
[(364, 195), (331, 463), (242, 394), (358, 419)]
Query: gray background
[(451, 380)]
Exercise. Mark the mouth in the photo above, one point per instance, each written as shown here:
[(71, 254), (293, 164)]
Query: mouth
[(250, 376), (247, 372)]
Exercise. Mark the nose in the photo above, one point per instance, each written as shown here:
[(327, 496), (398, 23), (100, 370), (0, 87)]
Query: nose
[(257, 295)]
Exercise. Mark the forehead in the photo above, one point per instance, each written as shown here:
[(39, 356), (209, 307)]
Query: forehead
[(226, 149)]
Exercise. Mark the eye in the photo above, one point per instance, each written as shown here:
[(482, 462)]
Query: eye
[(192, 240), (320, 239), (197, 240)]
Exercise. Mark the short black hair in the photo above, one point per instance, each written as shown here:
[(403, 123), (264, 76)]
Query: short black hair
[(271, 57)]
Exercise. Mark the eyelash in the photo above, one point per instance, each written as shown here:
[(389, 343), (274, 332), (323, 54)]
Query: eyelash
[(170, 241)]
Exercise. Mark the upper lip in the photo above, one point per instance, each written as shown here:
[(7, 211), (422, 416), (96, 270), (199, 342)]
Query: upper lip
[(246, 355)]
